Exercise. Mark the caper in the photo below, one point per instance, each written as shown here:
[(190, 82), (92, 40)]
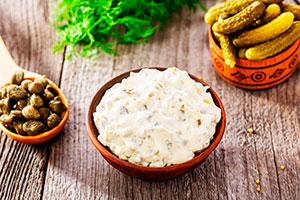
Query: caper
[(17, 77), (18, 126), (42, 80), (36, 101), (10, 88), (52, 89), (6, 119), (48, 95), (57, 106), (16, 113), (16, 92), (36, 87), (29, 112), (33, 127), (5, 105), (25, 84), (2, 93), (21, 104), (53, 120), (45, 112)]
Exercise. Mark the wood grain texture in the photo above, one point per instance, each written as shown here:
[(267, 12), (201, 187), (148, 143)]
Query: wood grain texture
[(75, 170), (25, 28)]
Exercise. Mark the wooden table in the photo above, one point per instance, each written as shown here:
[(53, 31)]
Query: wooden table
[(70, 168)]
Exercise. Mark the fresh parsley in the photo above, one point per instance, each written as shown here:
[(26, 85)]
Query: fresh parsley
[(91, 26)]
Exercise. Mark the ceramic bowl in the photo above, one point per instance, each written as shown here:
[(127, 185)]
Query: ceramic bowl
[(151, 173), (254, 75), (48, 135)]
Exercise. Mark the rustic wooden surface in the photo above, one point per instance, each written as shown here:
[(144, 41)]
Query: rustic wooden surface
[(70, 168)]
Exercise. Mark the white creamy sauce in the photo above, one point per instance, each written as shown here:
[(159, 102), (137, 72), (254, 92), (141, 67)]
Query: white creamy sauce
[(157, 118)]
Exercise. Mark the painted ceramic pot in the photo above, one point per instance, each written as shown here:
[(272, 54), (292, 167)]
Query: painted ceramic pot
[(256, 75)]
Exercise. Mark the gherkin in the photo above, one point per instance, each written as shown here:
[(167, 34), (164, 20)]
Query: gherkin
[(265, 32), (276, 45), (241, 20)]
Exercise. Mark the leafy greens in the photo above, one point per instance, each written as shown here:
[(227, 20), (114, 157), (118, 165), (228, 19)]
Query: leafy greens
[(97, 25)]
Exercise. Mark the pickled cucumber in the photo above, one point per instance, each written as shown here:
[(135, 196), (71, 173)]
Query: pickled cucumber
[(272, 11), (217, 35), (241, 20), (257, 23), (227, 49), (242, 53), (265, 32), (227, 8), (295, 9), (271, 1), (276, 45)]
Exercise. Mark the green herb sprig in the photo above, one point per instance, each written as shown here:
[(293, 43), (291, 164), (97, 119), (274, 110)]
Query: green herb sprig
[(99, 25)]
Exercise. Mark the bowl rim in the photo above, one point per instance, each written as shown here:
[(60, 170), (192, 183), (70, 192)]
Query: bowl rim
[(45, 136), (109, 156), (259, 64)]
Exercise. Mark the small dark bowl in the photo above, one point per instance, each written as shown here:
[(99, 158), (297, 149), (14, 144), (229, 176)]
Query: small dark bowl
[(151, 173)]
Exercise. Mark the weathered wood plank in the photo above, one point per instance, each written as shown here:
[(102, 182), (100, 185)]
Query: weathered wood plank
[(77, 171), (26, 31), (229, 173)]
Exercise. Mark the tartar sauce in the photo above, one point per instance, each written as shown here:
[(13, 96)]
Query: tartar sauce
[(157, 118)]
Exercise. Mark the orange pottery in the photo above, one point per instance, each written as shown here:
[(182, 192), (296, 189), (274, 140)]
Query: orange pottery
[(255, 75)]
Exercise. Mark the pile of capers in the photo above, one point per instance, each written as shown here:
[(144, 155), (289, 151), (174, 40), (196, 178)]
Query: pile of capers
[(30, 107)]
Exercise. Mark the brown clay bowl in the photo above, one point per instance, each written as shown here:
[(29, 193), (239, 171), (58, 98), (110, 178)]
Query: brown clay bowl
[(48, 135), (151, 173), (254, 75)]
